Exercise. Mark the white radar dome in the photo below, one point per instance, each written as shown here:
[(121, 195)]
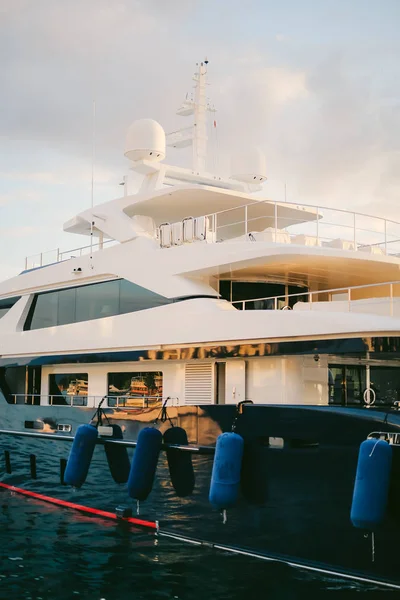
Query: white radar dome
[(145, 140), (249, 166)]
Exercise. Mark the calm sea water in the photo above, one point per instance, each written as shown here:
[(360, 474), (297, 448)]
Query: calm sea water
[(51, 553)]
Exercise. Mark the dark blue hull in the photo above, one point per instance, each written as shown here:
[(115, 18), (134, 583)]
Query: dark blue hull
[(309, 479)]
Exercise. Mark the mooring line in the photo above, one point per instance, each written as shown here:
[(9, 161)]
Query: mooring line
[(80, 507), (107, 440)]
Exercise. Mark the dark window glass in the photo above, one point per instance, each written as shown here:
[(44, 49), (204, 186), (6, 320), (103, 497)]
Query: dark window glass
[(21, 385), (132, 388), (66, 306), (295, 289), (45, 308), (245, 290), (248, 290), (225, 289), (34, 425), (6, 304), (88, 302), (346, 384), (68, 388), (13, 381), (134, 297), (263, 294), (385, 381), (97, 301)]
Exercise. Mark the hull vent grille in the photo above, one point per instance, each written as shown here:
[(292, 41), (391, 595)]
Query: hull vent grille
[(199, 383)]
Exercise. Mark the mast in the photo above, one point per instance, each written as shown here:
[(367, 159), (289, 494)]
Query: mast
[(200, 124), (196, 106)]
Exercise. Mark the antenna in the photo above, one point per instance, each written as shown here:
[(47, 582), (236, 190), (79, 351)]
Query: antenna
[(93, 149), (92, 182)]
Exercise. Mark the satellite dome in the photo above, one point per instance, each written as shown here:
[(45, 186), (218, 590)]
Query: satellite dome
[(249, 166), (145, 140)]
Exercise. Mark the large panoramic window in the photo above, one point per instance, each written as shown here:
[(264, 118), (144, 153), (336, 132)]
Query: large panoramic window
[(134, 388), (84, 303), (68, 388)]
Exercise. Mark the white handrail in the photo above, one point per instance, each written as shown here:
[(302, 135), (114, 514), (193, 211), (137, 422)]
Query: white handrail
[(356, 234), (304, 206), (59, 256)]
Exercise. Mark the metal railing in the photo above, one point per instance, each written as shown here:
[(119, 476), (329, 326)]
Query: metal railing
[(284, 222), (128, 402), (381, 298), (55, 256), (140, 401), (52, 399)]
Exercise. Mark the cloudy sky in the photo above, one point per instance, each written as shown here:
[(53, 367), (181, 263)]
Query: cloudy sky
[(316, 84)]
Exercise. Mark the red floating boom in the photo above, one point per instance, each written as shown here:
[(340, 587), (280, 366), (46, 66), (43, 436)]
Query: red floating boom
[(85, 509)]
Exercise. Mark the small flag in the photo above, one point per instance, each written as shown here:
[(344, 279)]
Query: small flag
[(215, 123)]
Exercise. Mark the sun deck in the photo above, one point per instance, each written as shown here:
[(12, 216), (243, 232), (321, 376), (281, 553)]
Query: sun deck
[(264, 221), (286, 223)]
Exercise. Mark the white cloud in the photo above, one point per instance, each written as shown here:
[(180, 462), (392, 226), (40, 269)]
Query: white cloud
[(59, 176), (18, 231), (20, 195), (327, 115), (8, 271)]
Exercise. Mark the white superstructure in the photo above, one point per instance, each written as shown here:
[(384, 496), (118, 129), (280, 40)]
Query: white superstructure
[(198, 279)]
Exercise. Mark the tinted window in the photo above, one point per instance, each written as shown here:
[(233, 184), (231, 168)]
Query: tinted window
[(244, 290), (385, 381), (96, 301), (134, 297), (68, 388), (88, 302), (66, 306), (225, 289), (6, 304), (13, 381), (45, 308), (236, 291)]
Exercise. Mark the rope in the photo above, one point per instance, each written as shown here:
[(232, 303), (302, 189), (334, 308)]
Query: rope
[(372, 451), (239, 412), (373, 546)]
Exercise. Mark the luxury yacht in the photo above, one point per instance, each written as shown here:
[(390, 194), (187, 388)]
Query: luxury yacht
[(194, 296)]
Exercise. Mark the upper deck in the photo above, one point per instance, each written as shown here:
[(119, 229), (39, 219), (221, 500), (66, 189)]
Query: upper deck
[(287, 223), (259, 221)]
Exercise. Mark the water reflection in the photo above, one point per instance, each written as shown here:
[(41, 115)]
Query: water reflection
[(66, 555)]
